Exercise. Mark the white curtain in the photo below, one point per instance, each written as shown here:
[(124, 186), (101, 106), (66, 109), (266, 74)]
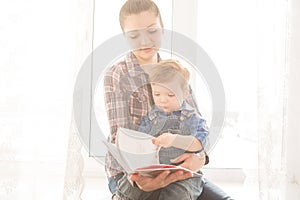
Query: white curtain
[(272, 55), (250, 43), (42, 47), (277, 22)]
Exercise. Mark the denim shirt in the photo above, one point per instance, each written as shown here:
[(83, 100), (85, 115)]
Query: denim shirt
[(184, 121)]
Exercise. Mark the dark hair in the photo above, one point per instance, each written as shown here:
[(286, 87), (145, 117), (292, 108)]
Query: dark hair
[(136, 7)]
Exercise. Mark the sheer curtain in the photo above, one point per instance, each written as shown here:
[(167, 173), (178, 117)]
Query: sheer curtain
[(42, 45), (278, 112), (252, 45), (272, 90)]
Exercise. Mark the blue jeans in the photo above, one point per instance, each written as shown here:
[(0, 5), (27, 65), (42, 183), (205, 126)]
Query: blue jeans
[(210, 191), (188, 189)]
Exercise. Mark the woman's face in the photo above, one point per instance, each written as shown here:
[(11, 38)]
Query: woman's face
[(143, 32)]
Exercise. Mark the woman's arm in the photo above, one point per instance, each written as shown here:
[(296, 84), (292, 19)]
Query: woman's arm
[(115, 103)]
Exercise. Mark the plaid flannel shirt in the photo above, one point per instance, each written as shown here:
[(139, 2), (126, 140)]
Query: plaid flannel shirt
[(128, 98)]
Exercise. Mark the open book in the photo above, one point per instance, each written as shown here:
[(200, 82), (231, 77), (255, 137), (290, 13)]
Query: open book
[(136, 153)]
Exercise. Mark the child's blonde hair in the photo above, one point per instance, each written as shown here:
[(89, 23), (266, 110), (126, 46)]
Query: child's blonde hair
[(167, 71), (136, 7)]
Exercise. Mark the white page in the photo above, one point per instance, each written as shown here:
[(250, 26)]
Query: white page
[(134, 141), (115, 151), (136, 148)]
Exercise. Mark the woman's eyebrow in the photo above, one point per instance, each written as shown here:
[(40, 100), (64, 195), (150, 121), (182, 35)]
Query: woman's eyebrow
[(152, 25), (132, 31), (137, 30)]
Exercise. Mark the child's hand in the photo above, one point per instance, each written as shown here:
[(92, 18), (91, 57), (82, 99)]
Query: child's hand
[(164, 140)]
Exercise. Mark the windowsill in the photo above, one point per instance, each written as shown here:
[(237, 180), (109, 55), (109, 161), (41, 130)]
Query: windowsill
[(234, 175)]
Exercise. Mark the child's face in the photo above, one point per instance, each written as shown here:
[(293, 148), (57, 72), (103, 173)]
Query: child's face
[(168, 99), (143, 31)]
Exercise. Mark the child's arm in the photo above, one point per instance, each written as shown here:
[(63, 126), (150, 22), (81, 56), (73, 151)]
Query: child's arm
[(185, 142)]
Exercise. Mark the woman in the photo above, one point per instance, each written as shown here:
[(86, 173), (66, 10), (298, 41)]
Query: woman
[(128, 98)]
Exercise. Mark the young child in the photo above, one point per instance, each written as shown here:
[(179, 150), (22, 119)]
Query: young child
[(175, 124)]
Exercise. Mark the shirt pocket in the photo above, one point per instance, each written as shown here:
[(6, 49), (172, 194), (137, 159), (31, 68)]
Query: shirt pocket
[(138, 104)]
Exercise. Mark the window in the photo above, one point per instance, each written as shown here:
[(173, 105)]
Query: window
[(229, 35)]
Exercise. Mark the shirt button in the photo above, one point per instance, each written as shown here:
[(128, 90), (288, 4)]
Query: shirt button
[(135, 94), (155, 122), (181, 119)]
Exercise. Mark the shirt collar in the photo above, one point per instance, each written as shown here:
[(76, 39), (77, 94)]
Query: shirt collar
[(186, 106)]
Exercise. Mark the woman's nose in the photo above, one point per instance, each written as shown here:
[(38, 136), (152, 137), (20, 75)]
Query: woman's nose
[(145, 40)]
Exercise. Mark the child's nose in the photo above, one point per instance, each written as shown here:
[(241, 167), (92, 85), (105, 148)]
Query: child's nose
[(163, 99)]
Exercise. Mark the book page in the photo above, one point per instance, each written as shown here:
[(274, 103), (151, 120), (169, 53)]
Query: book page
[(134, 141), (115, 151), (136, 148)]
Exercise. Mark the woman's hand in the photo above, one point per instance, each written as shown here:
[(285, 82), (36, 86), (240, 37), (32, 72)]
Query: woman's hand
[(190, 161), (148, 184)]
